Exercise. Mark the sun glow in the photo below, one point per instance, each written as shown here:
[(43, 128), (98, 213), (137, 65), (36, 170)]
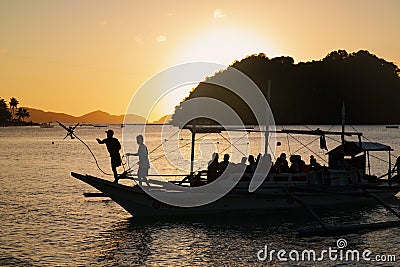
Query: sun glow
[(219, 45), (223, 45), (167, 102)]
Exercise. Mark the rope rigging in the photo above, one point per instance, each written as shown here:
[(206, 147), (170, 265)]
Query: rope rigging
[(126, 162), (94, 157), (366, 138), (162, 156), (225, 149), (317, 138), (304, 145), (232, 144), (70, 132), (131, 169)]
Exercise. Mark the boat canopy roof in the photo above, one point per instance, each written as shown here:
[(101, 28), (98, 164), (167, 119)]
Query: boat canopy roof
[(252, 128), (354, 148)]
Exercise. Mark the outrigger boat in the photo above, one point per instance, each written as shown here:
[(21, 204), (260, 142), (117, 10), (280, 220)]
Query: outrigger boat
[(330, 186), (46, 125)]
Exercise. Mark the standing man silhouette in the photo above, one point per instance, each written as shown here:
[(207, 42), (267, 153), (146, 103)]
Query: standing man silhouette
[(144, 163), (113, 147)]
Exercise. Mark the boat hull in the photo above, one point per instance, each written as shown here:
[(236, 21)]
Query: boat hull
[(266, 199)]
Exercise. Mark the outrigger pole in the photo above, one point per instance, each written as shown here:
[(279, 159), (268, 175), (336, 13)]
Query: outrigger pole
[(349, 228)]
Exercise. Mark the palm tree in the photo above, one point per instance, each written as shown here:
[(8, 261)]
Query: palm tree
[(19, 114), (3, 104), (22, 113), (13, 105), (26, 114), (5, 115)]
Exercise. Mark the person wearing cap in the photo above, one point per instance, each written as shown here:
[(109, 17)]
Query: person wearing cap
[(113, 147)]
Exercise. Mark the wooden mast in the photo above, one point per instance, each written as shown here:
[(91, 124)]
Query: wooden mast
[(193, 130), (343, 122), (267, 122)]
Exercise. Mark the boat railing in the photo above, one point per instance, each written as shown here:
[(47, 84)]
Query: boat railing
[(340, 177), (323, 176)]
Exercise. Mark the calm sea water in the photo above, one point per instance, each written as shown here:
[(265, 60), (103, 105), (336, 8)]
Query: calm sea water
[(46, 221)]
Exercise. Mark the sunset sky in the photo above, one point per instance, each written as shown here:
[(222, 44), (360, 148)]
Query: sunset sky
[(77, 56)]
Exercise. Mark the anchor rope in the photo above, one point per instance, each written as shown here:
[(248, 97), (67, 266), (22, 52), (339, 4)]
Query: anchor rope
[(94, 157)]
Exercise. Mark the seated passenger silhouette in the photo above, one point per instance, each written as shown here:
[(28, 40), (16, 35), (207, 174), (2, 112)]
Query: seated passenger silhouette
[(223, 164), (294, 163), (281, 163), (212, 169), (252, 165), (314, 165)]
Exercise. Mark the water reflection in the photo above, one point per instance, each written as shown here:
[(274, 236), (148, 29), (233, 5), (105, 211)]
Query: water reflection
[(45, 221), (225, 240), (124, 245)]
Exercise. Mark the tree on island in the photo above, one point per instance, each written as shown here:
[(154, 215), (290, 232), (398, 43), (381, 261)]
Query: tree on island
[(13, 105), (5, 114), (313, 92), (22, 113), (13, 115)]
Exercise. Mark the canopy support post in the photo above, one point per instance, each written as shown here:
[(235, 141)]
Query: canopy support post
[(267, 119), (343, 123), (369, 164), (390, 170), (192, 149)]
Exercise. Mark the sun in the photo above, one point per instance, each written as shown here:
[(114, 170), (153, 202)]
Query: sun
[(167, 102), (223, 45)]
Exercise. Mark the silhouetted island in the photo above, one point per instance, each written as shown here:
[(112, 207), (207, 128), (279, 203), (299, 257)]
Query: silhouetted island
[(313, 92)]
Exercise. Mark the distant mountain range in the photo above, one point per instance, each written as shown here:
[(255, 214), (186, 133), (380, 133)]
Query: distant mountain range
[(98, 116), (163, 119)]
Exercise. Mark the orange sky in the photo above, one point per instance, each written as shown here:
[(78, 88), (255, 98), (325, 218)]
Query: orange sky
[(78, 56)]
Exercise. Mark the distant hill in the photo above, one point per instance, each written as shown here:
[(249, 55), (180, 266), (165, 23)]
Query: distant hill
[(313, 92), (97, 116), (163, 119)]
